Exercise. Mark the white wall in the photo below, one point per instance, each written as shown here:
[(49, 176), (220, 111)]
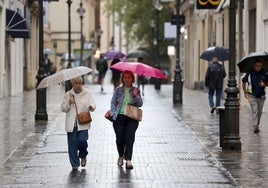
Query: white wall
[(2, 49)]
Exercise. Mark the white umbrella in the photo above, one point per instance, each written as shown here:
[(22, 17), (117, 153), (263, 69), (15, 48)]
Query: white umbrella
[(48, 51), (63, 75)]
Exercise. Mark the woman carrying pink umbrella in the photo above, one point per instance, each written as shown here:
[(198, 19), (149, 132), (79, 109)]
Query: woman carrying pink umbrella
[(125, 127)]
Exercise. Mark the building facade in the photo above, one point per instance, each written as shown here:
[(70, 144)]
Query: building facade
[(210, 27)]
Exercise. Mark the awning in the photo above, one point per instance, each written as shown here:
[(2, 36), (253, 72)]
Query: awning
[(16, 25)]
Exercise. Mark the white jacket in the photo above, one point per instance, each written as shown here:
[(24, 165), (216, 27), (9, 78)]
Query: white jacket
[(83, 100)]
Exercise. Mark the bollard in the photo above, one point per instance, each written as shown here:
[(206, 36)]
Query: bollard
[(222, 123)]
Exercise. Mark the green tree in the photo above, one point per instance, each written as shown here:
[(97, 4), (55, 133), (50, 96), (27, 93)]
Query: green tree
[(136, 16)]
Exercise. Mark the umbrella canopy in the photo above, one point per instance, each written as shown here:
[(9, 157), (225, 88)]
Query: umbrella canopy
[(139, 68), (247, 62), (113, 54), (221, 53), (138, 53), (63, 75), (48, 51)]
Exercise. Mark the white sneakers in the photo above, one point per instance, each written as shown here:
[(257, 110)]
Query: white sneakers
[(129, 164), (120, 161), (83, 162)]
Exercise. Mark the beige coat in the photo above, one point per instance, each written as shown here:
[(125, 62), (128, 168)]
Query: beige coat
[(83, 100)]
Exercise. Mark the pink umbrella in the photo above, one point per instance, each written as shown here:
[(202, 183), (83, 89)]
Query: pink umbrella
[(139, 68)]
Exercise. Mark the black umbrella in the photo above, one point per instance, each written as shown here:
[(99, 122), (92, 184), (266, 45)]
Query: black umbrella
[(247, 62), (221, 53), (138, 53)]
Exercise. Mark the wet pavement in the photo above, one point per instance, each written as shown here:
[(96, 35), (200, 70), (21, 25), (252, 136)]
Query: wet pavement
[(174, 147)]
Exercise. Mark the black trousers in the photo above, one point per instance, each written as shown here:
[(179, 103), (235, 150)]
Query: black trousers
[(125, 128)]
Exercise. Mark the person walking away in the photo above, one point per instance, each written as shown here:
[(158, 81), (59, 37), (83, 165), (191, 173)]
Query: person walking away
[(125, 127), (53, 68), (141, 82), (141, 79), (77, 135), (254, 83), (115, 74), (47, 64), (102, 67), (214, 82)]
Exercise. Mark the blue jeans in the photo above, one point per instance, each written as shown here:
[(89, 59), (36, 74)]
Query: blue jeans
[(77, 146), (125, 129), (211, 92)]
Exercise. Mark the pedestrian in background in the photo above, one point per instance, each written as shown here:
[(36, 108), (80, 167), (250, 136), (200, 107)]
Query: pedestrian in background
[(125, 127), (254, 83), (102, 67), (47, 64), (53, 68), (214, 81), (77, 135), (115, 74), (141, 79)]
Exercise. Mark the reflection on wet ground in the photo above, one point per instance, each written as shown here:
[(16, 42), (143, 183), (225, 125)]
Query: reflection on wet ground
[(249, 167), (175, 146)]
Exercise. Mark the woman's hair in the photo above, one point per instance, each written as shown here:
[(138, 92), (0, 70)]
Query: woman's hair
[(129, 73), (79, 78)]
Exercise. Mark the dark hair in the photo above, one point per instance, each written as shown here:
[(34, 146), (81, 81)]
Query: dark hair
[(257, 60), (140, 59), (129, 73)]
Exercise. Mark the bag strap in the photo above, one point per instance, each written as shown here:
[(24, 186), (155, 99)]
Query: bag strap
[(74, 104)]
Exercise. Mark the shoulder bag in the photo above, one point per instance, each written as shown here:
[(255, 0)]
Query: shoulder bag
[(133, 112), (82, 117), (108, 116)]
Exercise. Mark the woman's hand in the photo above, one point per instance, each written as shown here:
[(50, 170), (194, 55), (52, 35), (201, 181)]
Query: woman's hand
[(71, 100), (135, 92), (90, 108)]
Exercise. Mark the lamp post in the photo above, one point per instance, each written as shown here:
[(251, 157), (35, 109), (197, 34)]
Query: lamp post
[(178, 82), (41, 106), (231, 139), (68, 83), (158, 7), (81, 11)]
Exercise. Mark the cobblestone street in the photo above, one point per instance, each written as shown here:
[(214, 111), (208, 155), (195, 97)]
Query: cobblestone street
[(174, 147)]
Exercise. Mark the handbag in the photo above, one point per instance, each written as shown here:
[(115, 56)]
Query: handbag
[(133, 112), (82, 117), (108, 116)]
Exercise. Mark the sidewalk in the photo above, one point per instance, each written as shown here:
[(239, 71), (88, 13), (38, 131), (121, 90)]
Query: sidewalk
[(174, 147)]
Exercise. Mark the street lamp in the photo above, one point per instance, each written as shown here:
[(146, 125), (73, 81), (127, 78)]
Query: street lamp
[(231, 139), (41, 103), (158, 7), (81, 11), (68, 84), (178, 82)]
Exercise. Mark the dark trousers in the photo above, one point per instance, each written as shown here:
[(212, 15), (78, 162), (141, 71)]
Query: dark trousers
[(125, 129), (211, 92), (77, 146)]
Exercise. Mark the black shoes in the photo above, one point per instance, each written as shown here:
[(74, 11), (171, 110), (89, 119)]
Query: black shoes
[(212, 110), (256, 130)]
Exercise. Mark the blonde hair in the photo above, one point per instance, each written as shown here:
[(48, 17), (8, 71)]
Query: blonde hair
[(79, 78)]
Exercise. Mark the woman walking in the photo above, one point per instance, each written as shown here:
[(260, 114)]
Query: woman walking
[(77, 135), (125, 127)]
